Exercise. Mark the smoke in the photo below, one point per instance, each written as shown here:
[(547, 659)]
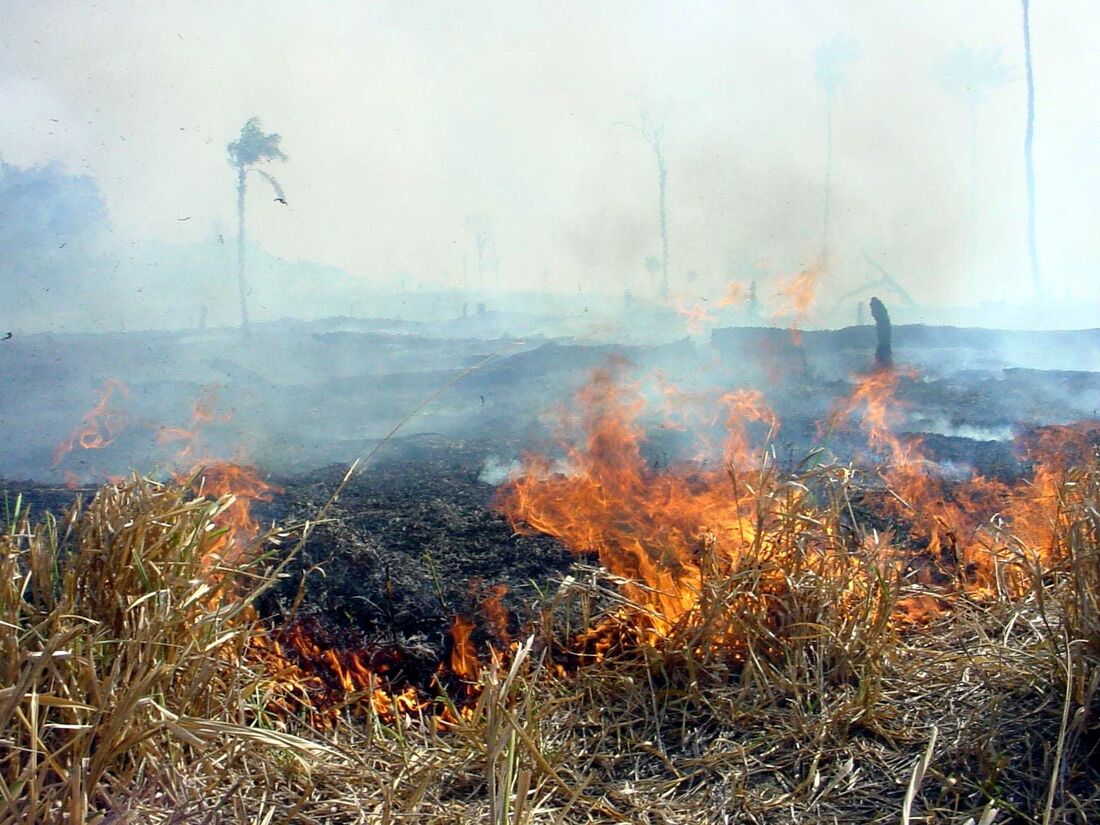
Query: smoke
[(53, 230), (404, 119)]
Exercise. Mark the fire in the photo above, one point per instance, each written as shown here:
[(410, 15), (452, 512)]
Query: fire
[(311, 675), (463, 659), (736, 293), (798, 294), (669, 534), (980, 532), (203, 412), (695, 317), (244, 487), (705, 551), (661, 532), (100, 426)]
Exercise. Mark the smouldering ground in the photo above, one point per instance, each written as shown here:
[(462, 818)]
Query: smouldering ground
[(759, 641)]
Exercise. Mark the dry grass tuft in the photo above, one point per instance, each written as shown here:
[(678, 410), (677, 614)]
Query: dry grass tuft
[(121, 654)]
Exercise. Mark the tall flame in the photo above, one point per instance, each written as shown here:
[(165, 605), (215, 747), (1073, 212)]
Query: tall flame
[(648, 527)]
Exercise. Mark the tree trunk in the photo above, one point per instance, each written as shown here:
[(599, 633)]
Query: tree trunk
[(1029, 164), (662, 184), (826, 215), (972, 246), (884, 355), (240, 248)]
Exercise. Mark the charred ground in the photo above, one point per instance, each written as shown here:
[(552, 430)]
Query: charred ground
[(413, 540)]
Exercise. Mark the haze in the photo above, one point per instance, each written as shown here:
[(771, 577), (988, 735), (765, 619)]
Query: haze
[(404, 122)]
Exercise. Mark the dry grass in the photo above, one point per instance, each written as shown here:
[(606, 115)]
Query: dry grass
[(128, 695)]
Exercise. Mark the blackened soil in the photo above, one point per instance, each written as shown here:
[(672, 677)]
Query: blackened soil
[(38, 499), (412, 542)]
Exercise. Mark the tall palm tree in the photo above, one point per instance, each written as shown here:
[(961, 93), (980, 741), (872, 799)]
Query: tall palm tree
[(972, 76), (252, 147), (1029, 163), (831, 62)]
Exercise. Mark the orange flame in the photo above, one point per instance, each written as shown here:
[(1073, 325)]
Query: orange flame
[(660, 531), (100, 426), (799, 294), (463, 660), (695, 317), (244, 486), (736, 293), (646, 526)]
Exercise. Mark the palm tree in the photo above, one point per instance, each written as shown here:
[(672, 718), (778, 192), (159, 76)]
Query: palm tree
[(1029, 163), (972, 76), (831, 61), (252, 147)]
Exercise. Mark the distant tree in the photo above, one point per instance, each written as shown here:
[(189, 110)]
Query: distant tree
[(654, 134), (831, 62), (54, 233), (487, 261), (1029, 162), (972, 76), (254, 146)]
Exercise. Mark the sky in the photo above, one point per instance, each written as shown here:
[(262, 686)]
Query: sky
[(403, 120)]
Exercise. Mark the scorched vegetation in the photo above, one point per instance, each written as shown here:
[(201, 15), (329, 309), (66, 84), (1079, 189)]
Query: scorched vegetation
[(753, 641)]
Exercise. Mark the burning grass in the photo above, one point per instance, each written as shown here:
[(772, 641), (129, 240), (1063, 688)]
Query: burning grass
[(815, 643)]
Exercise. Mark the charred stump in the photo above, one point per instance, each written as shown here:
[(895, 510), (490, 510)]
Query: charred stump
[(884, 356)]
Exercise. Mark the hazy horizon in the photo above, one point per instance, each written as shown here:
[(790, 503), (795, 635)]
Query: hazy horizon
[(405, 123)]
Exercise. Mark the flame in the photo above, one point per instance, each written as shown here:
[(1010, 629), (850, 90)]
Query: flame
[(311, 675), (100, 426), (463, 659), (651, 528), (736, 293), (244, 487), (665, 533), (671, 536), (695, 317), (798, 294), (982, 533), (495, 615), (203, 412)]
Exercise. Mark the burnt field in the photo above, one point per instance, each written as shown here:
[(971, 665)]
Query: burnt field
[(298, 396), (414, 539), (749, 575)]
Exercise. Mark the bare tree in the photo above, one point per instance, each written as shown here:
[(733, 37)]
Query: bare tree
[(972, 76), (653, 132), (252, 147), (487, 261), (831, 62), (1029, 162)]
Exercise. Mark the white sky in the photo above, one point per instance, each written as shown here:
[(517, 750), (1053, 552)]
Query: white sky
[(403, 118)]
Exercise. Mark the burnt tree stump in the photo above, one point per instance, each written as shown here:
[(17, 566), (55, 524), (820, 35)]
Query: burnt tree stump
[(884, 356)]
